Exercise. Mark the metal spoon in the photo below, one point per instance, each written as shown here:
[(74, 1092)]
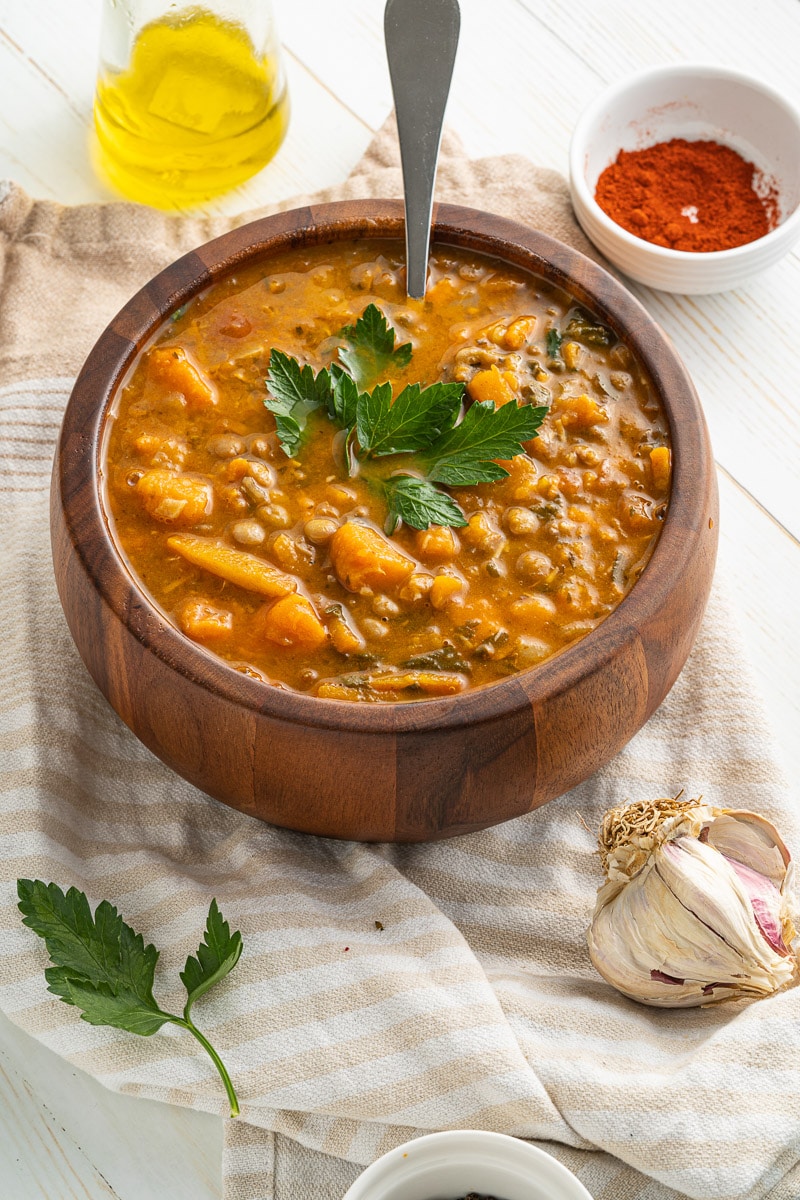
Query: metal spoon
[(421, 41)]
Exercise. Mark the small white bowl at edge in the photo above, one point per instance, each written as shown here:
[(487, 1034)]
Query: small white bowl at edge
[(696, 102), (449, 1165)]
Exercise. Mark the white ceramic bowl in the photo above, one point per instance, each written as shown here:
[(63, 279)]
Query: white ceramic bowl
[(697, 103), (446, 1166)]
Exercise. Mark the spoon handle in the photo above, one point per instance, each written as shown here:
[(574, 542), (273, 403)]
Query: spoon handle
[(421, 41)]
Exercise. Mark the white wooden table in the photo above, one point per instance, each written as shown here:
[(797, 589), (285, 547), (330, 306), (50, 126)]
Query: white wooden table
[(525, 70)]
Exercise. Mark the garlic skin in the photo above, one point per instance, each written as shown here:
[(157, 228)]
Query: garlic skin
[(696, 907)]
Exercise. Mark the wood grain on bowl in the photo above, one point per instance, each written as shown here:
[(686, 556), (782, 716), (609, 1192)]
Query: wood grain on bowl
[(392, 771)]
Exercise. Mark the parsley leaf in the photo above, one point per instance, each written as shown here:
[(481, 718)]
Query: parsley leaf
[(110, 969), (217, 955), (372, 412), (122, 1008), (103, 967), (419, 504), (296, 392), (464, 454), (343, 399), (416, 417), (372, 350), (554, 340)]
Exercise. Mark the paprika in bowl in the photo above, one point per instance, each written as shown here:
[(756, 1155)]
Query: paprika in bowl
[(688, 177)]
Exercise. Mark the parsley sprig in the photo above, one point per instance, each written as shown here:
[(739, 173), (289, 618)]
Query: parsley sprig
[(103, 967), (371, 352), (436, 441)]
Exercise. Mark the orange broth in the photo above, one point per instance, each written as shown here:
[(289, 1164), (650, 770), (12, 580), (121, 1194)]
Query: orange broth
[(281, 565)]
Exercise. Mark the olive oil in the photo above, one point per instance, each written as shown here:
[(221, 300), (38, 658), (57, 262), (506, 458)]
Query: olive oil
[(195, 112)]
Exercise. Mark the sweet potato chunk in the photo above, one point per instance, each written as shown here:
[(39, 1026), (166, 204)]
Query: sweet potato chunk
[(491, 385), (363, 558), (437, 544), (572, 354), (521, 486), (162, 448), (434, 683), (445, 588), (204, 622), (293, 623), (171, 366), (581, 412), (245, 570), (345, 638), (636, 513), (660, 467), (518, 332), (174, 499)]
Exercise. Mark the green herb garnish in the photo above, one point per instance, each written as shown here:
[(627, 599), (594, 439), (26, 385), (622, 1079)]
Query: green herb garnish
[(554, 340), (443, 658), (464, 454), (372, 350), (440, 442), (411, 421), (419, 504), (583, 329), (102, 966), (296, 391)]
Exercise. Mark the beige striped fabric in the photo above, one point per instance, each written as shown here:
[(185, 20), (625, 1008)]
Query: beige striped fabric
[(475, 1005)]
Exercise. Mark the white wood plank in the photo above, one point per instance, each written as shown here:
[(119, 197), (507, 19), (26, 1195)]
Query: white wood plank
[(502, 98), (44, 139), (741, 349), (615, 37), (342, 45), (760, 565), (41, 33), (65, 1137)]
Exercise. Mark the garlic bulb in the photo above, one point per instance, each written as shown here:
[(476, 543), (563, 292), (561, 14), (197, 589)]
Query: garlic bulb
[(696, 906)]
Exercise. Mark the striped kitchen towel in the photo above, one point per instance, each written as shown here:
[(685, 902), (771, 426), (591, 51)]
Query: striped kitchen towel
[(384, 991)]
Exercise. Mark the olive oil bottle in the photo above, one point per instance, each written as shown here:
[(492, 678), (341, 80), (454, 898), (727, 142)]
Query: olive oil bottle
[(197, 105)]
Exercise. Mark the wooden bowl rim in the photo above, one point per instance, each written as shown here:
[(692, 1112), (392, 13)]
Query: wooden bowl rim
[(78, 473)]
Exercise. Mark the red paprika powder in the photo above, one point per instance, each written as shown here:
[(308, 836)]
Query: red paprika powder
[(696, 196)]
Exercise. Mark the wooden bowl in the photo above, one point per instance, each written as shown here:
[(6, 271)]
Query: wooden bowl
[(385, 772)]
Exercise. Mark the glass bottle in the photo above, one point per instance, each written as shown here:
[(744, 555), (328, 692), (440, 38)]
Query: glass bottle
[(191, 99)]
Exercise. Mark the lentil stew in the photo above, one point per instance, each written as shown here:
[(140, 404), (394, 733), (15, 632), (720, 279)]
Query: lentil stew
[(282, 565)]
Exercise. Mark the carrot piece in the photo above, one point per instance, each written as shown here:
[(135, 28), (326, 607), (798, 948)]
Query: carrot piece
[(293, 623), (174, 499), (338, 691), (435, 683), (363, 558), (171, 366), (245, 570)]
